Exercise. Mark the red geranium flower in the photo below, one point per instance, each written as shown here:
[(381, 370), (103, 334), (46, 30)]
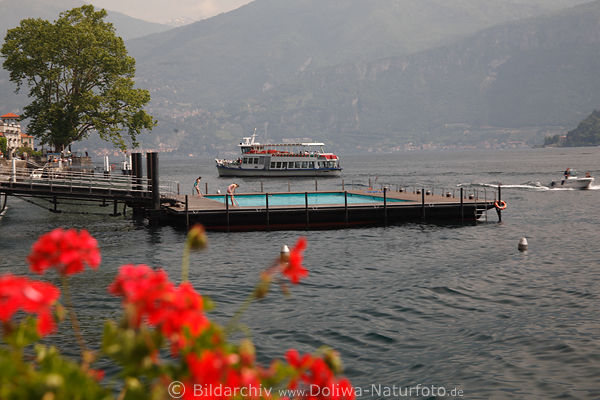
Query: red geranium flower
[(35, 297), (68, 251), (294, 269), (150, 297)]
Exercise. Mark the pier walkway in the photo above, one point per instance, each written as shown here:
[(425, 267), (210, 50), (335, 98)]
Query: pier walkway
[(160, 202)]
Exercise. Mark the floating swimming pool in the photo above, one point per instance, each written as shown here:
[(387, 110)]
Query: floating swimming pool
[(298, 199)]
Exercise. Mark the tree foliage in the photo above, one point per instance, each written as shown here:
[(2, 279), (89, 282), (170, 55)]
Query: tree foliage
[(79, 76), (3, 145)]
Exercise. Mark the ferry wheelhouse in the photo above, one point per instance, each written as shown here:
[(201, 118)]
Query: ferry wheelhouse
[(280, 160)]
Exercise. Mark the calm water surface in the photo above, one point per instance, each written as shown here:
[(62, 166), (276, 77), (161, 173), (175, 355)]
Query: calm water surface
[(449, 306)]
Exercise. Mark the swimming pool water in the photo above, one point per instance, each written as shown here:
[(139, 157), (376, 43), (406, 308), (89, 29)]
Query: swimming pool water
[(297, 199)]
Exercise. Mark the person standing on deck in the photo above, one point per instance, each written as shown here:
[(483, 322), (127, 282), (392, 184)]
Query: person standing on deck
[(197, 186), (230, 191)]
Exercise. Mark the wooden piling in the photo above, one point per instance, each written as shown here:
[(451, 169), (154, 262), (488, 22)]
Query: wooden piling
[(385, 206), (423, 203), (346, 207), (462, 210), (227, 209), (267, 209), (187, 213), (498, 210), (306, 207)]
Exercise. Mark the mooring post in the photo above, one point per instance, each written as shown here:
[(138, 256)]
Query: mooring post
[(316, 185), (137, 171), (262, 189), (155, 181), (3, 207), (462, 212), (306, 207), (346, 207), (343, 186), (423, 203), (385, 205), (267, 204), (55, 204), (498, 210), (106, 166), (476, 198), (13, 177), (227, 209), (187, 213), (115, 213), (289, 187), (205, 187), (485, 202)]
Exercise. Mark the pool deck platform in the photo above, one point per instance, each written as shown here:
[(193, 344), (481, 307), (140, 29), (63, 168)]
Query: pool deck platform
[(415, 207)]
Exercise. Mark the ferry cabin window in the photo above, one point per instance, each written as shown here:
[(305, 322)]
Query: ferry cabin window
[(298, 164), (304, 164), (272, 164), (291, 164), (245, 160), (278, 165), (311, 164)]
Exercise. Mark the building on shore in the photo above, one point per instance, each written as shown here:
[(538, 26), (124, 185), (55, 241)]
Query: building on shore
[(10, 128)]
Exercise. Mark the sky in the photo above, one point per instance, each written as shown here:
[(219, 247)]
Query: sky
[(163, 11)]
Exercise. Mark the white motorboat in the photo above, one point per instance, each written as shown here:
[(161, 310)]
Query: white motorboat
[(572, 181), (280, 160)]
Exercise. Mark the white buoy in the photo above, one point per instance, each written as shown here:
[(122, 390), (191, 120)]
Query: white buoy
[(285, 252), (522, 244)]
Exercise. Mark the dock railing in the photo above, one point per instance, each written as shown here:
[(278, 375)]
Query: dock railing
[(65, 179)]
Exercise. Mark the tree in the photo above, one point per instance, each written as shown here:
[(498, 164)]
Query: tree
[(80, 78), (3, 146)]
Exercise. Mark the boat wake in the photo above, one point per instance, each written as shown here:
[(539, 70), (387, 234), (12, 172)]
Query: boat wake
[(526, 186), (537, 186)]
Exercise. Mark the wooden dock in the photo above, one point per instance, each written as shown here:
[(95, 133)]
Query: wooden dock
[(160, 203), (415, 207)]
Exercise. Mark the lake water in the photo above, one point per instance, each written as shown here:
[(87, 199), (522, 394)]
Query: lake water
[(448, 306)]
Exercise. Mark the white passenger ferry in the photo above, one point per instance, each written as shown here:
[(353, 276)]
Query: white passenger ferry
[(280, 160)]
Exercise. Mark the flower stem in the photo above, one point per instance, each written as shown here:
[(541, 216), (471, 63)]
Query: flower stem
[(233, 322), (72, 315), (185, 262)]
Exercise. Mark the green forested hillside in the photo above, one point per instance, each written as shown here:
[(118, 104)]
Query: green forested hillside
[(587, 132)]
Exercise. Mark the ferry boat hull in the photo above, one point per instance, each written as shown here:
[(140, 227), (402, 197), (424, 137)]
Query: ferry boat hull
[(238, 171)]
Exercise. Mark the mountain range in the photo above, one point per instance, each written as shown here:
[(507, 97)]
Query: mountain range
[(362, 74)]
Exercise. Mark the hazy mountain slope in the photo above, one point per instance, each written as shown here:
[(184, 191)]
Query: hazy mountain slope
[(259, 46), (537, 72), (13, 11)]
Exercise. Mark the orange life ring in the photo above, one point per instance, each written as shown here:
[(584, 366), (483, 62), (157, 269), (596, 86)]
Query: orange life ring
[(500, 204)]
